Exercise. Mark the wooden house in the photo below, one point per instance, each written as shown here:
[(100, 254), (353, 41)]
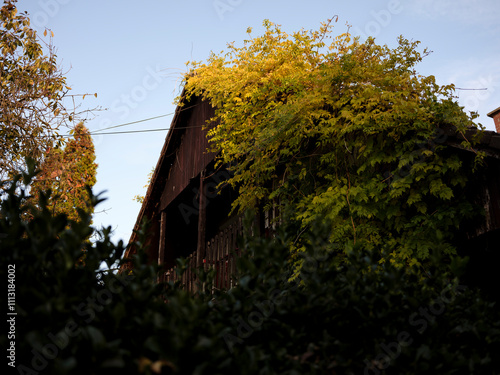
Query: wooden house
[(190, 218)]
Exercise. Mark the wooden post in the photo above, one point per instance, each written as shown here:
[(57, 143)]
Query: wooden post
[(218, 256), (223, 259), (202, 217), (161, 247)]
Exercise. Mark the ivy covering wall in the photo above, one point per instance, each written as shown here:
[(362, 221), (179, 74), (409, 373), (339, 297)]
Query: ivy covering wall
[(341, 130)]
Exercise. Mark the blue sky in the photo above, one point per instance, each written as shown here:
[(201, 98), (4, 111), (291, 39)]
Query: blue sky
[(132, 54)]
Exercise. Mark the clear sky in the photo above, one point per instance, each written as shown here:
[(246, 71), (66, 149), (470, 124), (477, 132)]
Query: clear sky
[(133, 53)]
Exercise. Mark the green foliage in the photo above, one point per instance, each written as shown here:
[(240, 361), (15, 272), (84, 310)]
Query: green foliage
[(68, 172), (32, 90), (75, 319), (340, 130)]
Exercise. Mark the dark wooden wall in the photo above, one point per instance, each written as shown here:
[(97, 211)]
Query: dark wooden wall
[(191, 155)]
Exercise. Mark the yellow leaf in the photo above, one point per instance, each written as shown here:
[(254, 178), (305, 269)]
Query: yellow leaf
[(52, 33), (95, 95), (157, 366), (45, 32)]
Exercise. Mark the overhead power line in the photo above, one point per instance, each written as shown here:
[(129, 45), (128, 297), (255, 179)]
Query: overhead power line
[(148, 130), (138, 131), (98, 132), (133, 122), (119, 132)]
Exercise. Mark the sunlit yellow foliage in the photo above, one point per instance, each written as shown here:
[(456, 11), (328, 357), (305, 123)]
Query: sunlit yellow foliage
[(338, 130)]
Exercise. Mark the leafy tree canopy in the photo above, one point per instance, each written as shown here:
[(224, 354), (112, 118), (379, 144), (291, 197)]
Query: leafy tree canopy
[(339, 130), (32, 91), (68, 172)]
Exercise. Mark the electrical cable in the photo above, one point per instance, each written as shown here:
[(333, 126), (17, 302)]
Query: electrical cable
[(98, 132), (138, 131), (133, 122)]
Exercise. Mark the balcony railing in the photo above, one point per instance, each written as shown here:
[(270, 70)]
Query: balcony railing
[(220, 254)]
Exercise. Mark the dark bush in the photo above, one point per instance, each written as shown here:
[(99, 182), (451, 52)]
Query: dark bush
[(350, 317)]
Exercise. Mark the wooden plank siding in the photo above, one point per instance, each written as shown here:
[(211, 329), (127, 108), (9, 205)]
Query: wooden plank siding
[(191, 156), (221, 254), (182, 159), (188, 220)]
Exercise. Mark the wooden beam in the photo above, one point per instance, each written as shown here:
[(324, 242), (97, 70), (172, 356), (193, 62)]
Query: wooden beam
[(161, 244), (202, 221)]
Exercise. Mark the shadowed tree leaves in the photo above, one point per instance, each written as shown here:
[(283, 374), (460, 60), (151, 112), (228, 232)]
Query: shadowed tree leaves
[(32, 89)]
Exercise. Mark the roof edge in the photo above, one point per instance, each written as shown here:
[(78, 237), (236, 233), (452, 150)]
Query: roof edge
[(493, 113), (156, 173)]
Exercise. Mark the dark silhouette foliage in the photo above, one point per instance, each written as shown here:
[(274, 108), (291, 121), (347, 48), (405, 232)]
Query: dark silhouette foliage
[(351, 317)]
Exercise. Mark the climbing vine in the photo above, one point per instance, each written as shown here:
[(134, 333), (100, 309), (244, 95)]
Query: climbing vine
[(343, 130)]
